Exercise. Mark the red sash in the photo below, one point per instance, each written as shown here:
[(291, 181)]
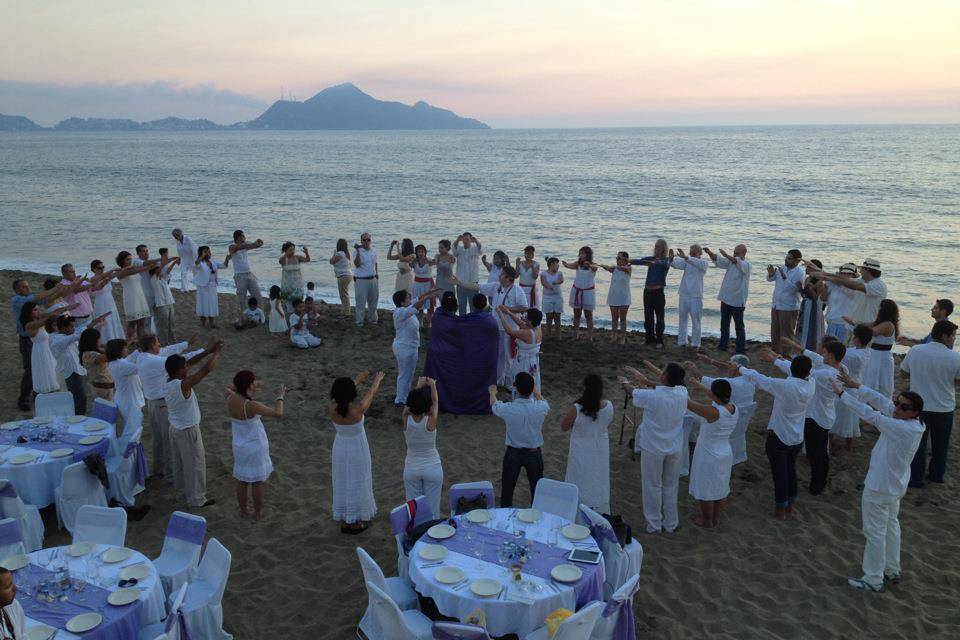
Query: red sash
[(578, 295)]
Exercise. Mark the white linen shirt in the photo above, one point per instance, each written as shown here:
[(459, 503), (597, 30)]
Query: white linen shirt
[(125, 378), (368, 263), (524, 419), (661, 430), (512, 296), (161, 290), (468, 262), (823, 408), (735, 286), (742, 391), (691, 284), (889, 470), (791, 396), (182, 413), (407, 327), (152, 370), (875, 291), (64, 348), (933, 370), (187, 250), (840, 302), (786, 288)]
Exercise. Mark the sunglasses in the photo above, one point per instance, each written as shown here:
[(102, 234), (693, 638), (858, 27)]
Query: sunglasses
[(904, 406)]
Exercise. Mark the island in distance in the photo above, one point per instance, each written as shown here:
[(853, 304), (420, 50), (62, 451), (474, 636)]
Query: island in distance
[(341, 107)]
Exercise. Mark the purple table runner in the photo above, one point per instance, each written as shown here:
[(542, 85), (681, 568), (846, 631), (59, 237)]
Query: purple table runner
[(119, 623), (71, 440)]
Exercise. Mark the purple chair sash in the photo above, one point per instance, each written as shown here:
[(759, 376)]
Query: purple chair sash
[(626, 627), (400, 517), (186, 529), (178, 619), (458, 631), (104, 412), (601, 533), (140, 470), (10, 533), (8, 490)]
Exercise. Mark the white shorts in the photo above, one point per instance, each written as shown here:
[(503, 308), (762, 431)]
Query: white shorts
[(552, 304)]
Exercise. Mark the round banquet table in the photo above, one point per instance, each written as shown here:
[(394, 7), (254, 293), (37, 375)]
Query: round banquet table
[(515, 610), (101, 578), (35, 481)]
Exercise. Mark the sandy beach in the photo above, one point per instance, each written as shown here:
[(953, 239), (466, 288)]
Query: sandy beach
[(295, 575)]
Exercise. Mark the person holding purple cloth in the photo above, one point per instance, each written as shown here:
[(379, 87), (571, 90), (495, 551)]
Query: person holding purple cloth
[(654, 300)]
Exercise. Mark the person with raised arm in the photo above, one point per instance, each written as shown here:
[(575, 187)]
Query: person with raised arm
[(525, 338), (742, 393), (81, 297), (466, 250), (291, 273), (422, 469), (551, 282), (423, 282), (104, 302), (243, 277), (583, 294), (136, 309), (366, 280), (654, 299), (343, 270), (846, 427), (528, 271), (406, 342), (43, 364), (940, 310), (163, 309), (141, 258), (785, 307), (713, 457), (404, 253), (65, 350), (206, 276), (523, 418), (694, 267), (445, 260), (500, 260), (187, 251), (869, 284), (618, 296), (733, 293), (841, 302), (879, 372)]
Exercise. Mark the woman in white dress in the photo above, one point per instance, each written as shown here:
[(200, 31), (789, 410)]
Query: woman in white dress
[(423, 282), (618, 296), (291, 275), (588, 460), (713, 457), (104, 302), (251, 451), (525, 338), (528, 273), (43, 364), (135, 307), (343, 270), (422, 469), (353, 502), (404, 258), (128, 392), (278, 319), (206, 276), (583, 295), (552, 298), (879, 370)]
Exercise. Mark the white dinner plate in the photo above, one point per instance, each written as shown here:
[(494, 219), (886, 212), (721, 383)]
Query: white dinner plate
[(441, 531), (61, 453), (40, 632), (116, 554), (575, 532), (83, 622), (566, 573), (529, 515), (90, 439), (78, 549), (121, 597), (42, 420), (23, 458), (479, 516), (10, 426), (432, 552), (448, 575), (76, 419), (136, 571), (96, 426), (485, 587), (14, 562)]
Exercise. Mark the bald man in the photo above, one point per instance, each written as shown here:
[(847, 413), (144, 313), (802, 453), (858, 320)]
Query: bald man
[(733, 293)]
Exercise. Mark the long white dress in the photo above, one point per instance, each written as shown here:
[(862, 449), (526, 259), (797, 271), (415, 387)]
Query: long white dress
[(588, 460), (878, 372), (291, 282), (847, 422), (352, 475), (205, 277), (713, 457), (104, 302), (527, 359), (278, 321), (135, 304), (251, 450), (43, 364), (618, 295), (583, 293), (129, 392), (404, 279)]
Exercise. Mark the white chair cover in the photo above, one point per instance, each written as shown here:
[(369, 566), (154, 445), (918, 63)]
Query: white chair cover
[(101, 525), (27, 515), (391, 623), (77, 487), (469, 490), (458, 631), (58, 403), (618, 563), (399, 519), (559, 498), (178, 560), (401, 592), (579, 626), (123, 465), (11, 543), (172, 628), (202, 608), (738, 439), (691, 427), (616, 621)]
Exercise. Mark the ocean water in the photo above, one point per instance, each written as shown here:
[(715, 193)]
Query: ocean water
[(839, 193)]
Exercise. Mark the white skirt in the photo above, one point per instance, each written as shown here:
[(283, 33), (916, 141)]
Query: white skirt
[(618, 295), (278, 322), (588, 298), (710, 474), (112, 327), (552, 304), (588, 467), (352, 476), (878, 372), (43, 368), (847, 423), (208, 306), (251, 451)]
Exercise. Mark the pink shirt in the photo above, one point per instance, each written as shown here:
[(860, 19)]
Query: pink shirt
[(82, 298)]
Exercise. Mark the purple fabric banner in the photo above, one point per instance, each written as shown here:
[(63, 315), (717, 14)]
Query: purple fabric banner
[(626, 626), (462, 357), (119, 623), (186, 529), (588, 588)]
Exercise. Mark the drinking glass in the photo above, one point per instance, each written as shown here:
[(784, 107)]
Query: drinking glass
[(478, 552)]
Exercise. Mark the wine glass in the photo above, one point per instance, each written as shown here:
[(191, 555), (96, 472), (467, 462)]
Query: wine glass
[(478, 552)]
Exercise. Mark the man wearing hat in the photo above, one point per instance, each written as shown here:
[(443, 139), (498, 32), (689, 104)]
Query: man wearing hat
[(787, 281), (873, 288), (841, 301)]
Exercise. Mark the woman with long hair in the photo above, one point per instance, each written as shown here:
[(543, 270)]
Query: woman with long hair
[(618, 296), (104, 302), (135, 307), (291, 275), (713, 457), (129, 391), (205, 276), (422, 469), (43, 364), (878, 372), (810, 326), (343, 269), (588, 460), (353, 502), (94, 360), (404, 258), (583, 294), (251, 450), (423, 281), (444, 261)]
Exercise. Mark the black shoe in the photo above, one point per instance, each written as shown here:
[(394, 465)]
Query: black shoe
[(208, 503)]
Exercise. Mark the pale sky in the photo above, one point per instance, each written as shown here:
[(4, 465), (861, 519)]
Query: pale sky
[(510, 64)]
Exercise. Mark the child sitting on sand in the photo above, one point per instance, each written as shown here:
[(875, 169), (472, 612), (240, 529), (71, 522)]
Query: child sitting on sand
[(300, 335), (253, 314)]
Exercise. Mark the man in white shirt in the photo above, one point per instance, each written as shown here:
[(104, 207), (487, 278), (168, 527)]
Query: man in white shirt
[(791, 397), (941, 310), (151, 370), (934, 369), (524, 418), (366, 280), (187, 250), (694, 267), (183, 412), (247, 284), (742, 393), (406, 343), (785, 309), (841, 301), (869, 284), (733, 293), (886, 481), (13, 622), (466, 248), (659, 440)]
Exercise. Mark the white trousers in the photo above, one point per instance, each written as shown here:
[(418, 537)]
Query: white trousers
[(881, 528), (502, 359), (692, 309), (661, 480), (425, 482), (406, 366), (367, 292), (305, 341)]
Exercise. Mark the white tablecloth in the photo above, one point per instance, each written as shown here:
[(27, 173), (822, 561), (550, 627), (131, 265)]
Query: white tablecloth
[(153, 599), (504, 615), (35, 481)]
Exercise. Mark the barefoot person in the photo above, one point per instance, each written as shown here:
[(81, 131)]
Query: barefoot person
[(247, 284), (467, 250), (43, 364), (422, 469), (846, 427), (353, 503), (528, 271), (785, 307), (734, 290), (583, 294), (187, 250), (654, 300), (551, 282), (136, 310), (525, 339), (291, 273), (406, 343), (618, 296), (742, 393), (251, 450), (206, 276), (403, 252), (713, 457), (423, 282), (588, 459), (694, 268)]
